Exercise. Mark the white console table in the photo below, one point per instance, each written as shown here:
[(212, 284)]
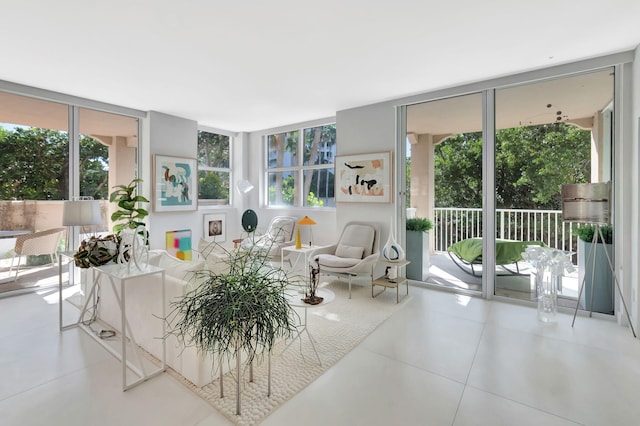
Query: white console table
[(115, 272)]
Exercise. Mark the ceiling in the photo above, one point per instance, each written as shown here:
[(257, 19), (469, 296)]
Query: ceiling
[(251, 65)]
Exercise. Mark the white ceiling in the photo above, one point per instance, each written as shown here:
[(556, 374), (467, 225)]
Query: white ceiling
[(247, 65)]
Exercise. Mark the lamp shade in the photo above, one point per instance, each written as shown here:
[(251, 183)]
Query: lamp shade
[(81, 212), (244, 186), (306, 221)]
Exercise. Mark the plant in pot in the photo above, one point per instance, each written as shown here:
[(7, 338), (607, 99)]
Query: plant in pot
[(594, 271), (418, 247), (235, 312), (128, 220)]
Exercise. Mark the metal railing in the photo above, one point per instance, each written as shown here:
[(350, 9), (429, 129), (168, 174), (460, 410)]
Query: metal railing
[(452, 224)]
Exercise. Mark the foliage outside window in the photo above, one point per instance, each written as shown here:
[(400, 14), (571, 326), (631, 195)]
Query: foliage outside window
[(25, 176), (302, 180), (532, 163), (214, 168)]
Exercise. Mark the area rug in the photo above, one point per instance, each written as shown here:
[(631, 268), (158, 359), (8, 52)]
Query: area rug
[(337, 327)]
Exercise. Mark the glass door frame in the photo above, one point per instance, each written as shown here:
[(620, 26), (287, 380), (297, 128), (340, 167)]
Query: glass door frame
[(619, 63)]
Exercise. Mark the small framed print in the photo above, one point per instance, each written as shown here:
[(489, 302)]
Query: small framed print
[(215, 227)]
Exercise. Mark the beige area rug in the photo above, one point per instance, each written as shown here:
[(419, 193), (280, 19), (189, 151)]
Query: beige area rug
[(337, 327)]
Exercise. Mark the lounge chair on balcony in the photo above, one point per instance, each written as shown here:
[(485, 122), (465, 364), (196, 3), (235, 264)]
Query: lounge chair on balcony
[(469, 253), (36, 244)]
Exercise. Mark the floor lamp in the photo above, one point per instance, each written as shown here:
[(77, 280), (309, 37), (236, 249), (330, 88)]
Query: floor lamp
[(590, 203)]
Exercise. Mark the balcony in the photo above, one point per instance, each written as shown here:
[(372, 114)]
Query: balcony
[(453, 224)]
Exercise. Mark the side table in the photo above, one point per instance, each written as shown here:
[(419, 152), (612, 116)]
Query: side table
[(386, 282), (115, 272), (303, 253), (296, 301)]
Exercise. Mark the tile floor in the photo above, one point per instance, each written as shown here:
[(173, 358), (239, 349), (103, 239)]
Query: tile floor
[(441, 360)]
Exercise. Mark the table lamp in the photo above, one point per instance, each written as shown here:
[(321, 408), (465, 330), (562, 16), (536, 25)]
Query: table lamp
[(304, 221), (81, 211)]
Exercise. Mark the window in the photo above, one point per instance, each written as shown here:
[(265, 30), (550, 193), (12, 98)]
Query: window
[(301, 180), (214, 168)]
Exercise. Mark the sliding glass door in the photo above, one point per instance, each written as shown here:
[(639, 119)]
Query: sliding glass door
[(444, 185), (548, 134), (522, 143)]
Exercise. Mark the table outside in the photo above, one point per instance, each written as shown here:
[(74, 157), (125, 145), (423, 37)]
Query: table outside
[(14, 234), (121, 273), (295, 300)]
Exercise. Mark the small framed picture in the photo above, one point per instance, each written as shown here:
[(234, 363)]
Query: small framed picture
[(215, 227), (175, 183)]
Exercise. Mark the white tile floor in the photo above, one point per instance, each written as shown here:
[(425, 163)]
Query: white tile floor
[(441, 360)]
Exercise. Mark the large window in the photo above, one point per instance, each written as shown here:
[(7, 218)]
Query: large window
[(301, 180), (214, 168)]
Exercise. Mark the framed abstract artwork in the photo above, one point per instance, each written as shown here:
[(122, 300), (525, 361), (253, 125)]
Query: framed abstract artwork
[(175, 184), (178, 243), (215, 227), (363, 178)]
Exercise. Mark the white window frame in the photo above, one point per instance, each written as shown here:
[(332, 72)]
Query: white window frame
[(209, 203), (298, 169)]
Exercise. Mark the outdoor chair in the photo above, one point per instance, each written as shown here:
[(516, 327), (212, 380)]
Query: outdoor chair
[(36, 244), (354, 255)]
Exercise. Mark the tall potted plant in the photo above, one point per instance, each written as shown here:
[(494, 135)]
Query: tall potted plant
[(237, 311), (128, 219), (598, 286), (418, 248)]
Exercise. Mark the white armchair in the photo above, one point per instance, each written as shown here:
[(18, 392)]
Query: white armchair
[(279, 234), (355, 254)]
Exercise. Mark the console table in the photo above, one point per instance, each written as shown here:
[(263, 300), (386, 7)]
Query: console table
[(115, 272)]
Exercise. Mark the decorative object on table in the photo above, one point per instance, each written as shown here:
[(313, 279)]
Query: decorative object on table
[(591, 203), (236, 312), (305, 221), (96, 251), (550, 265), (175, 185), (364, 178), (392, 252), (311, 297), (178, 244), (128, 224), (417, 232), (215, 227)]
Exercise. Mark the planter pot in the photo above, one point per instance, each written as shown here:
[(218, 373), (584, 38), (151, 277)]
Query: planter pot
[(418, 255), (603, 290)]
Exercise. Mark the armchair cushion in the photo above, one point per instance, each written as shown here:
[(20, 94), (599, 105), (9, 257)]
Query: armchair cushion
[(358, 235), (353, 252), (335, 262)]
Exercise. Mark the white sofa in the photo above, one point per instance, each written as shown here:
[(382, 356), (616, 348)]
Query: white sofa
[(144, 312)]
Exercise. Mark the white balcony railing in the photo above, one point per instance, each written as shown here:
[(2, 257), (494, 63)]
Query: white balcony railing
[(452, 224)]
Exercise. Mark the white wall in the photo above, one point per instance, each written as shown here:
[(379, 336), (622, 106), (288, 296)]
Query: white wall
[(170, 135)]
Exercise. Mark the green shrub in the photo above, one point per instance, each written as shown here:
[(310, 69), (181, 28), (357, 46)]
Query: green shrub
[(585, 233), (419, 224)]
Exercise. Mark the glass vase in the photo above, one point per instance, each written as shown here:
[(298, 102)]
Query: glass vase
[(547, 296)]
